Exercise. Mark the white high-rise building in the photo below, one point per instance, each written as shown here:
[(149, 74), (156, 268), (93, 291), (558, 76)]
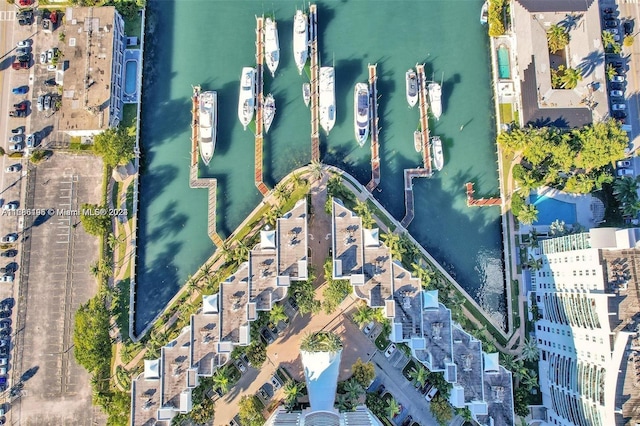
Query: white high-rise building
[(586, 295)]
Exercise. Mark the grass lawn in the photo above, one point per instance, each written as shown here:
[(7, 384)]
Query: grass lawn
[(129, 201), (129, 112), (411, 365), (133, 26), (376, 212), (382, 342), (506, 113)]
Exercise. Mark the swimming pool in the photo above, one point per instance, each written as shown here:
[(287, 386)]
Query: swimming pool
[(130, 77), (550, 210), (504, 69)]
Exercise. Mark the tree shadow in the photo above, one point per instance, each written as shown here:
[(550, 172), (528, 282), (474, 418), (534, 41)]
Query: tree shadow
[(29, 373), (590, 62), (571, 21)]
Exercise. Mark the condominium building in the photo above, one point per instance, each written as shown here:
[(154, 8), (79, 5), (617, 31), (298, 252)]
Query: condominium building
[(586, 294), (91, 70), (164, 388), (421, 321)]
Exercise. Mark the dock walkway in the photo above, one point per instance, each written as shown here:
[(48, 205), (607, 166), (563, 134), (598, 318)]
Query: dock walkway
[(259, 137), (375, 130), (480, 202), (315, 84)]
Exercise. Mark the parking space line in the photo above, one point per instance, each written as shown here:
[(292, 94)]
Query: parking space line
[(9, 15)]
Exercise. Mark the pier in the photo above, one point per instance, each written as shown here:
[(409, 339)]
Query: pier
[(424, 118), (480, 202), (375, 130), (409, 211), (259, 137), (194, 181), (315, 83)]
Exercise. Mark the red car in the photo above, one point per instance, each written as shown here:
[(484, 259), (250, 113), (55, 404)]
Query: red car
[(22, 106), (20, 65), (25, 2)]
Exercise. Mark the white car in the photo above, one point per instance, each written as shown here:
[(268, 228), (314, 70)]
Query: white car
[(16, 147), (618, 107), (13, 168), (432, 392), (390, 350), (367, 328), (617, 93), (618, 79), (24, 43), (275, 383), (13, 205), (50, 54), (623, 164), (43, 58), (6, 278), (51, 67), (624, 172)]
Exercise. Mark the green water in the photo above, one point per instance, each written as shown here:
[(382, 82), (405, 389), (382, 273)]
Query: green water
[(208, 42)]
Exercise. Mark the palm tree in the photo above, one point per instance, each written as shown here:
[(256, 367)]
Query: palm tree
[(277, 314), (343, 403), (321, 341), (353, 389), (410, 249), (292, 391), (95, 268), (281, 192), (611, 72), (530, 380), (334, 185), (625, 190), (393, 408), (221, 379), (528, 214), (363, 315), (423, 274), (296, 179), (534, 264), (271, 216), (392, 241), (316, 169), (362, 209), (571, 78), (419, 375), (608, 39), (530, 350), (240, 253), (113, 241), (508, 361), (631, 209), (557, 38)]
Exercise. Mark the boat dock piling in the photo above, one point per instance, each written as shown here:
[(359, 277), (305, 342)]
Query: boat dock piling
[(315, 83), (424, 118), (259, 137), (375, 130), (194, 181), (480, 202)]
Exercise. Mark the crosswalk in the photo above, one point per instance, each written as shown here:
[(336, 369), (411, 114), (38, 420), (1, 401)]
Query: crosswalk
[(7, 15), (631, 1)]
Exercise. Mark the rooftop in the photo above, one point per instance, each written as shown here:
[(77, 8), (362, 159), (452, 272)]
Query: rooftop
[(292, 243), (436, 330), (347, 242), (175, 362), (234, 296), (467, 355), (262, 278), (407, 296), (145, 401), (205, 329), (498, 393)]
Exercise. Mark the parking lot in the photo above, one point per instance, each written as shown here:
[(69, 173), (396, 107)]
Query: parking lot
[(55, 280)]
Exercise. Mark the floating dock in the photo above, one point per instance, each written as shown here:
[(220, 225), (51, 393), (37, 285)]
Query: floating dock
[(375, 130), (194, 181), (315, 83), (480, 202), (259, 138)]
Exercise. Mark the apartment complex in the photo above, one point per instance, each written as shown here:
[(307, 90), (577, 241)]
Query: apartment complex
[(421, 321), (91, 70), (586, 293), (164, 388)]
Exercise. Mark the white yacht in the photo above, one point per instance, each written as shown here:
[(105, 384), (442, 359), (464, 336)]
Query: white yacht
[(207, 122), (306, 93), (438, 154), (435, 99), (412, 87), (417, 140), (268, 112), (247, 99), (327, 98), (271, 45), (484, 13), (300, 39), (361, 112)]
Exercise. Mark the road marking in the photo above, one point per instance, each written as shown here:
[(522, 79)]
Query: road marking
[(7, 15)]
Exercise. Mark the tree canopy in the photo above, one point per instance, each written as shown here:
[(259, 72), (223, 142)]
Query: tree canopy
[(93, 220), (441, 409), (495, 18), (115, 145), (321, 341), (91, 340), (249, 411), (575, 161), (557, 38), (363, 372)]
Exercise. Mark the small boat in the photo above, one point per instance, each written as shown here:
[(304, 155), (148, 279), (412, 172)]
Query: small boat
[(484, 13), (207, 122), (435, 99), (271, 45), (247, 99), (300, 39), (361, 112), (269, 111), (438, 154), (306, 93), (412, 87), (417, 140), (327, 98)]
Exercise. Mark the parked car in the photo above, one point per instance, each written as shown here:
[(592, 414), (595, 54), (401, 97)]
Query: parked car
[(32, 140), (266, 335), (16, 147), (241, 366), (6, 278), (616, 86), (368, 328), (18, 130), (40, 103), (390, 350), (9, 253), (50, 82), (611, 23), (20, 90), (623, 164), (43, 57), (9, 238), (293, 303), (18, 113), (618, 78), (381, 390), (4, 351), (611, 15), (431, 394), (608, 10), (624, 172), (20, 105), (275, 382), (628, 27), (20, 65), (5, 314), (24, 58), (24, 43), (16, 138), (21, 51), (13, 168), (51, 67), (47, 102), (618, 107), (50, 54), (25, 2), (407, 421), (13, 205), (620, 115)]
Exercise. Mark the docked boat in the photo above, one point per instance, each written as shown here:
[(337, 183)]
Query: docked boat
[(417, 140), (412, 87), (484, 13), (271, 45), (247, 99), (327, 98), (268, 112), (207, 122), (435, 99), (438, 154), (361, 112), (306, 93), (300, 39)]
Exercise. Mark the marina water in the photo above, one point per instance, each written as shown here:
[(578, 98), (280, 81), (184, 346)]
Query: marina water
[(208, 43)]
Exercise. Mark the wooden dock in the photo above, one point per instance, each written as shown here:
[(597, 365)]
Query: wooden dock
[(424, 118), (375, 130), (315, 84), (409, 211), (480, 202), (259, 137), (196, 182)]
